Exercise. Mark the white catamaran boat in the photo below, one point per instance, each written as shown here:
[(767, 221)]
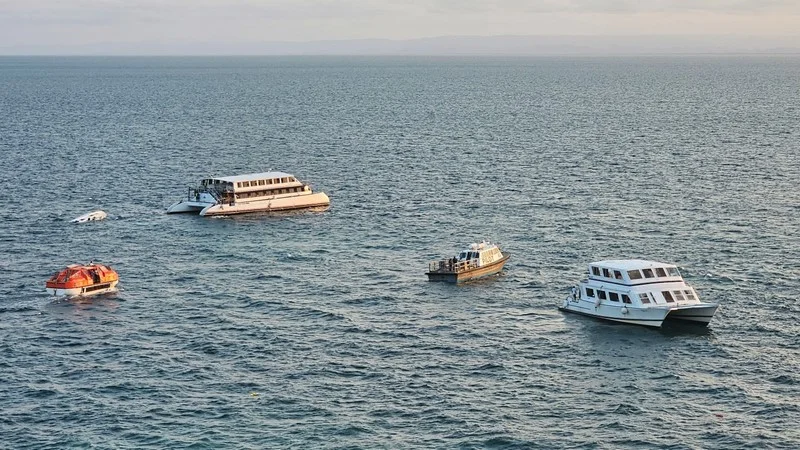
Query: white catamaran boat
[(638, 292), (268, 191)]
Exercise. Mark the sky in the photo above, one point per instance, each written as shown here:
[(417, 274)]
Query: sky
[(38, 26)]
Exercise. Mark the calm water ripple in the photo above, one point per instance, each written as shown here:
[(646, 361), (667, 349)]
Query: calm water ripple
[(312, 330)]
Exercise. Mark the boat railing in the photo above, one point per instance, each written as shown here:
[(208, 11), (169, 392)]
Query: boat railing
[(448, 265), (194, 193)]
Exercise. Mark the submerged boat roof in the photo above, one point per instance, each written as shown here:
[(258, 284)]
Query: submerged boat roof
[(253, 176), (630, 264)]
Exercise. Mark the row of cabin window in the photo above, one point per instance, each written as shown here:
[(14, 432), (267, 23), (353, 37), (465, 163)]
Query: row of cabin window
[(678, 295), (269, 192), (636, 274), (254, 183), (603, 295), (670, 297), (653, 273), (606, 273)]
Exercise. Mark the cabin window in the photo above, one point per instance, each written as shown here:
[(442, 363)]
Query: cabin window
[(613, 296), (595, 271), (690, 295), (648, 273), (606, 273), (239, 184), (261, 182), (644, 298), (660, 272), (679, 296), (626, 299), (590, 292), (634, 274), (668, 296), (601, 294), (618, 274), (673, 272)]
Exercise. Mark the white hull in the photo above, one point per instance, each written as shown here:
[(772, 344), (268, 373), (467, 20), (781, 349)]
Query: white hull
[(649, 317), (702, 313), (89, 217), (300, 201), (84, 291)]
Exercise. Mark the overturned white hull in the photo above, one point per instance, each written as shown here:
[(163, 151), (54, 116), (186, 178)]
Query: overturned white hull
[(90, 217)]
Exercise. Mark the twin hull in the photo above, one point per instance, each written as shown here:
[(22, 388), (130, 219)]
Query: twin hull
[(317, 199), (651, 317)]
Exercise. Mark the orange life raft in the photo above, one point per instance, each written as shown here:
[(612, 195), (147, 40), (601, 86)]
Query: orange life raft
[(79, 279)]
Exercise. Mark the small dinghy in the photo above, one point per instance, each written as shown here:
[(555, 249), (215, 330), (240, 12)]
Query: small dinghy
[(89, 217), (83, 280)]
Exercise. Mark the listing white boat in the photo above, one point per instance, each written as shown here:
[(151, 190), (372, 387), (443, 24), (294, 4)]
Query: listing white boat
[(476, 261), (90, 217), (267, 191), (637, 292)]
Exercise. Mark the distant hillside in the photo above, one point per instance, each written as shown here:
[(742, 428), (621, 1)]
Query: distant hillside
[(447, 45)]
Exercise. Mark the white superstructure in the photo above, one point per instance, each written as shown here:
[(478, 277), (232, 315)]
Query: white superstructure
[(267, 191), (638, 292)]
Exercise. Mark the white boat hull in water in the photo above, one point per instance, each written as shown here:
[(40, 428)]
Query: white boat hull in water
[(653, 316), (90, 217), (209, 208), (86, 291)]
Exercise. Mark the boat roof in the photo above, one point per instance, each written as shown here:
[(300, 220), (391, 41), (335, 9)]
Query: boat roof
[(253, 176), (630, 264)]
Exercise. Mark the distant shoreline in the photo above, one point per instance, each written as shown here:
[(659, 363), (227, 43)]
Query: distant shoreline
[(472, 46)]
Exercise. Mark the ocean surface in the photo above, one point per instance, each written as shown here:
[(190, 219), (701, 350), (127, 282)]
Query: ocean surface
[(320, 330)]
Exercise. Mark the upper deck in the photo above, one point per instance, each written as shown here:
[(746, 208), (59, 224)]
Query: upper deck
[(632, 272), (252, 182)]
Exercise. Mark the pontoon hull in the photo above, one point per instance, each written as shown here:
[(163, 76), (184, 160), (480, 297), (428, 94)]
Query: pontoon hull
[(649, 317), (699, 314), (319, 199), (187, 207)]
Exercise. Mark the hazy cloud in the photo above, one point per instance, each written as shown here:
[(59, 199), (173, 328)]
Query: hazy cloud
[(74, 22)]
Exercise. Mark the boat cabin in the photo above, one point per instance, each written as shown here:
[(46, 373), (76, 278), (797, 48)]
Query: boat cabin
[(255, 185), (633, 272), (484, 253), (637, 282)]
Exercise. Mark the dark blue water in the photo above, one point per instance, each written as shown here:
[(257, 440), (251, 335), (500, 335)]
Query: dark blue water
[(319, 330)]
